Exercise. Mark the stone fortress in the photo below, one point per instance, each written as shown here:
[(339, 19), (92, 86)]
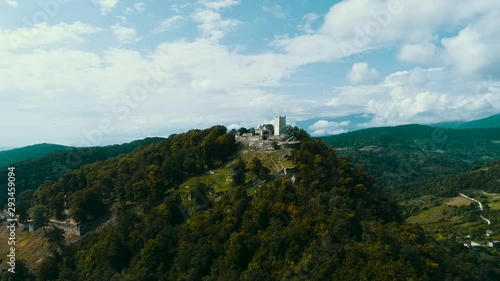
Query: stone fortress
[(273, 132), (269, 135)]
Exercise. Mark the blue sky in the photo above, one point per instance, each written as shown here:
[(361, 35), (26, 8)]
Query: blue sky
[(110, 71)]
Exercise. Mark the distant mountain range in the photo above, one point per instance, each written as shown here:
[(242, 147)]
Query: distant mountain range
[(402, 154), (355, 122), (488, 122), (11, 156)]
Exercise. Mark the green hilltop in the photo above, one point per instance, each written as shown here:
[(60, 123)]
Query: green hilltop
[(9, 157)]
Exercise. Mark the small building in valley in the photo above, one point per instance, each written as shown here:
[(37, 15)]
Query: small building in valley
[(473, 245), (494, 244)]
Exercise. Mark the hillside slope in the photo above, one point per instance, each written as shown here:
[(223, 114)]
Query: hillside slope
[(436, 204)]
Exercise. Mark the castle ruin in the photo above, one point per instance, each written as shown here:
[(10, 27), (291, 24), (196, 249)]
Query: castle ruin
[(267, 134)]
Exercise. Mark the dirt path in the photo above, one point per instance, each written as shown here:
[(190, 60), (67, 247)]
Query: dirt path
[(480, 206)]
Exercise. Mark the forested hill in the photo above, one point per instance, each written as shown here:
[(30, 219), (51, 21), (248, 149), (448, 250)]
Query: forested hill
[(402, 154), (33, 172), (327, 221), (28, 152)]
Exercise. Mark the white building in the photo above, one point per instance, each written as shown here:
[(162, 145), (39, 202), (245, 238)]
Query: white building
[(494, 244), (279, 125)]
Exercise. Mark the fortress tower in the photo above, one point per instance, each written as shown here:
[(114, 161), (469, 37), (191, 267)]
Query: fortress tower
[(279, 125)]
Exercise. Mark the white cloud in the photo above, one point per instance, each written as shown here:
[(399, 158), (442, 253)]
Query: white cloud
[(201, 83), (357, 26), (474, 50), (169, 23), (274, 9), (219, 4), (362, 73), (212, 25), (420, 96), (106, 5), (12, 3), (466, 51), (210, 21), (140, 7), (323, 127), (424, 53), (125, 34), (44, 35), (309, 20)]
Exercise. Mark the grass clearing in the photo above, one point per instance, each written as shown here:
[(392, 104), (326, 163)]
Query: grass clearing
[(494, 205), (272, 159), (458, 201), (368, 148), (430, 215), (493, 201), (288, 164), (216, 179), (31, 247)]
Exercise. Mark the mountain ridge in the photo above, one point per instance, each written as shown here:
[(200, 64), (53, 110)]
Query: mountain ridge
[(492, 121)]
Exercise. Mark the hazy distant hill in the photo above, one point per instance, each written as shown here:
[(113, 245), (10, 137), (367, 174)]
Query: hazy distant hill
[(488, 122), (33, 151), (409, 153)]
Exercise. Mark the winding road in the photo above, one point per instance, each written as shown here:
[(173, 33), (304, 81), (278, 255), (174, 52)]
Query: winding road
[(480, 206)]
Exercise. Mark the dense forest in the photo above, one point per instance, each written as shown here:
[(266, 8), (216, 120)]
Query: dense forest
[(327, 221), (482, 178)]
